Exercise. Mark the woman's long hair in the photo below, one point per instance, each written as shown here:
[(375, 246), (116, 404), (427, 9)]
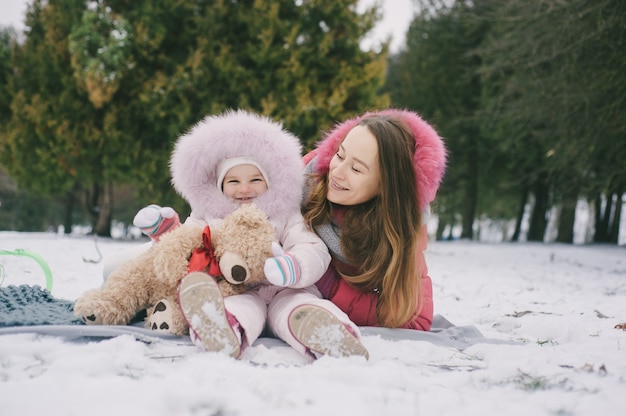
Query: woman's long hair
[(380, 236)]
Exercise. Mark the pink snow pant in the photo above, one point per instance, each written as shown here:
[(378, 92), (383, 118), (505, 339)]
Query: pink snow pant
[(273, 305)]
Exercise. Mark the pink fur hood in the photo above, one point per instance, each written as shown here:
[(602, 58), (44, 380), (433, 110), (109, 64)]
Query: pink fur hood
[(429, 159), (197, 154)]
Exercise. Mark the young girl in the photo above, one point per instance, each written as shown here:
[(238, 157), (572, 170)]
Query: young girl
[(372, 180), (237, 158)]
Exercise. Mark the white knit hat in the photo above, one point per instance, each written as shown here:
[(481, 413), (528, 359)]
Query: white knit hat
[(225, 165)]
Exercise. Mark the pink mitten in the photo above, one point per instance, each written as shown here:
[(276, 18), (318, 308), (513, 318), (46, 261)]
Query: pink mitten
[(282, 269), (154, 221)]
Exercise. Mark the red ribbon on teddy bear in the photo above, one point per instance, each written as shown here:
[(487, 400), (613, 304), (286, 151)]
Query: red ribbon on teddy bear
[(203, 258)]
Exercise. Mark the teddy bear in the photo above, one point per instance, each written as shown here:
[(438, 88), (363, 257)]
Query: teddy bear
[(234, 253)]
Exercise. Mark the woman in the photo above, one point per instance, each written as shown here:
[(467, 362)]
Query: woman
[(372, 179)]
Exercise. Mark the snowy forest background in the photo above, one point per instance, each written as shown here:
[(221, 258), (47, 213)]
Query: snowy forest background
[(529, 96)]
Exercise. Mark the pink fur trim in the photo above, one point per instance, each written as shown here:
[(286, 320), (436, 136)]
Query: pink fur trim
[(197, 156), (430, 153)]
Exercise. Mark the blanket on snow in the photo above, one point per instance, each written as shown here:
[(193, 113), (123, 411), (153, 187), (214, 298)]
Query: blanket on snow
[(32, 305), (31, 309)]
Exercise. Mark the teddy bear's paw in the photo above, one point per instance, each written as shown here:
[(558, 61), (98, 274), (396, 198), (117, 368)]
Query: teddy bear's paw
[(161, 317), (90, 319), (96, 308), (84, 309)]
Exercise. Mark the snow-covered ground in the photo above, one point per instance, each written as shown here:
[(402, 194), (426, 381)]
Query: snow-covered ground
[(562, 305)]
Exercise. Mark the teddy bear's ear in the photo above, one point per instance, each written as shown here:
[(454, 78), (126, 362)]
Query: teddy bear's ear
[(250, 215)]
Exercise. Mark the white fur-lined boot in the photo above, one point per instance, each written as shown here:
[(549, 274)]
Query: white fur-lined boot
[(210, 325), (323, 334)]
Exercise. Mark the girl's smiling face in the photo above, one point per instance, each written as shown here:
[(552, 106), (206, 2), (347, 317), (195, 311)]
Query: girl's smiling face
[(243, 183), (354, 174)]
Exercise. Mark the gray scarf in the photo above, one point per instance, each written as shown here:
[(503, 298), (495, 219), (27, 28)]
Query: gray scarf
[(330, 233)]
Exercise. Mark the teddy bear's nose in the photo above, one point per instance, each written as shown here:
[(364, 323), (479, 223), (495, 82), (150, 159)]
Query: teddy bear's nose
[(238, 273)]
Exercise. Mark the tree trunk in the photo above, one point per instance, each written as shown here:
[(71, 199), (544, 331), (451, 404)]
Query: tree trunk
[(520, 214), (471, 191), (598, 230), (538, 220), (103, 223), (617, 218), (565, 231), (606, 217), (441, 226), (70, 204), (67, 215), (98, 203), (603, 218)]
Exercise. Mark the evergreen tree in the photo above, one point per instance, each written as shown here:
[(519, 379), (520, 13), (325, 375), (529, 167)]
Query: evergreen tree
[(559, 92), (7, 36), (532, 115), (101, 89), (436, 75)]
